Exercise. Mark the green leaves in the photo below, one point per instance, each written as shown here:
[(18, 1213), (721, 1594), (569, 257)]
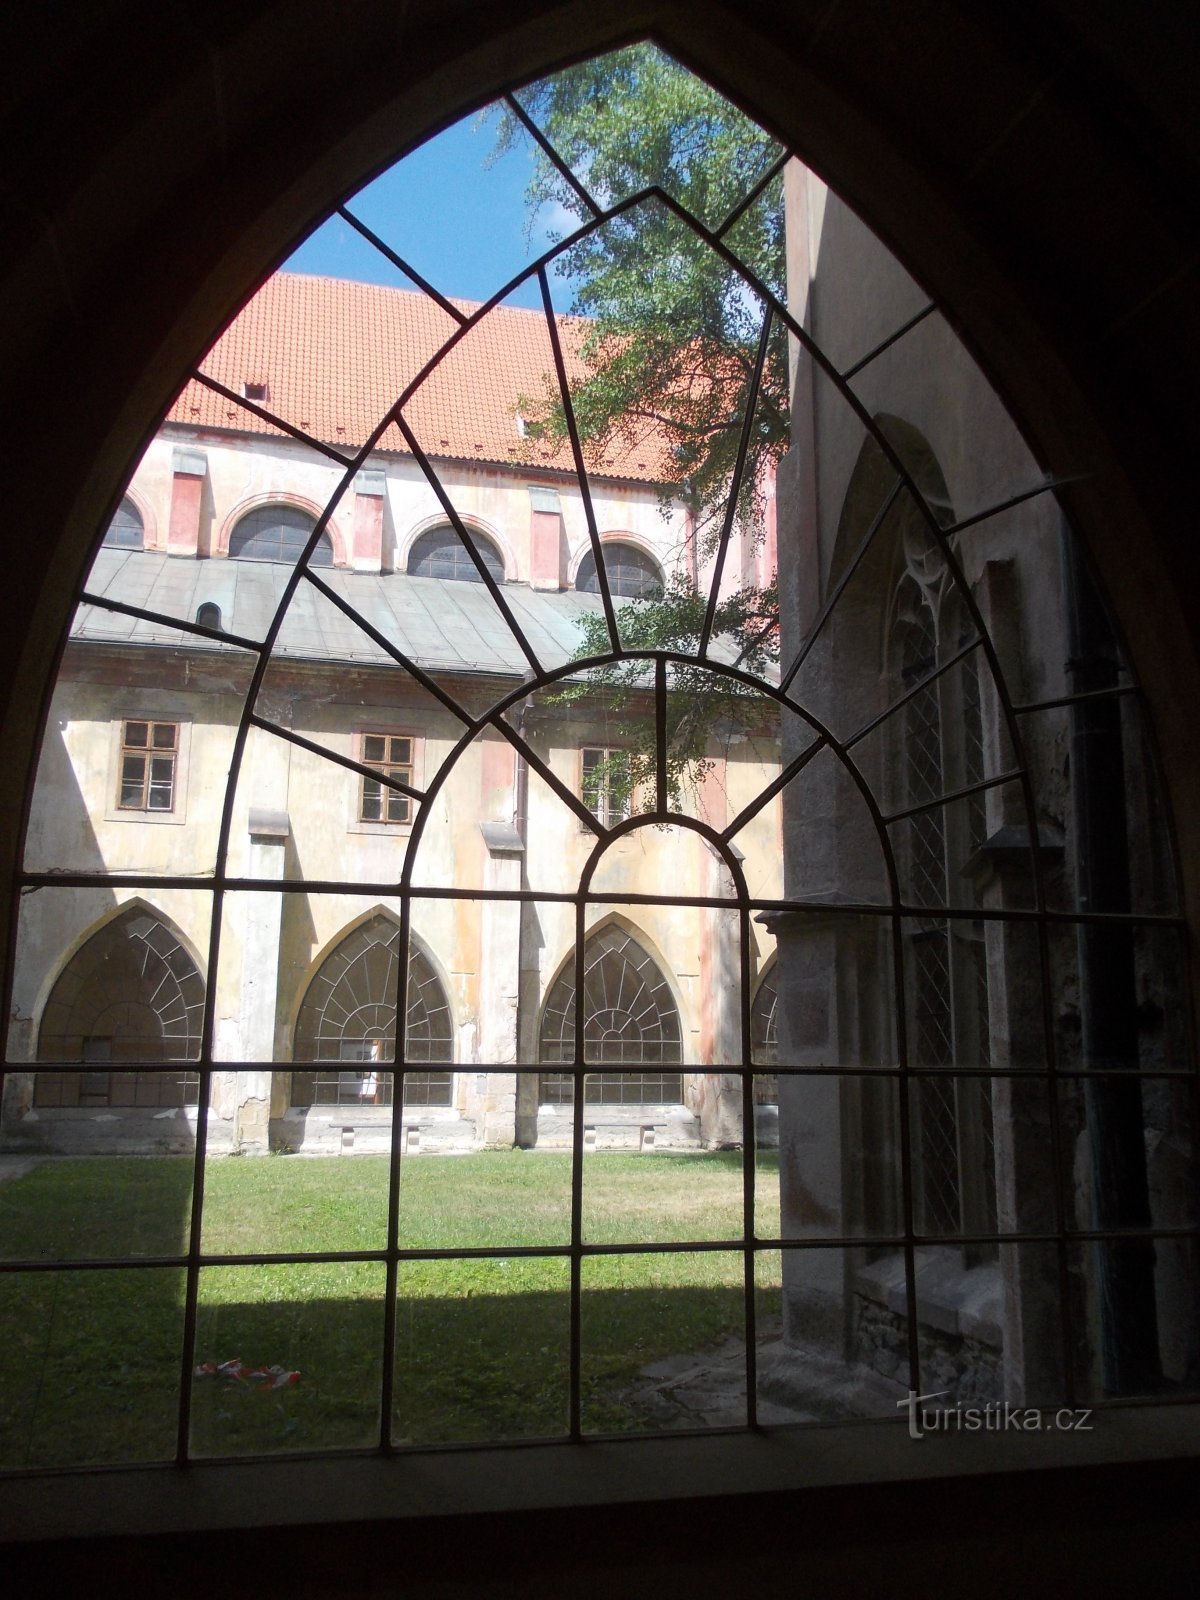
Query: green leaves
[(671, 353), (701, 704)]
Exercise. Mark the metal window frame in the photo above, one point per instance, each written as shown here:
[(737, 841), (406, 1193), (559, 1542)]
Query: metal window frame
[(891, 914)]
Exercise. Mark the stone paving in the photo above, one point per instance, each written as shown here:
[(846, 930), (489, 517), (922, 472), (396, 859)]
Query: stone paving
[(16, 1167), (706, 1389)]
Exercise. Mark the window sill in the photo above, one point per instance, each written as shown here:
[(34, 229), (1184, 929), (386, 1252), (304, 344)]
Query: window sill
[(307, 1493)]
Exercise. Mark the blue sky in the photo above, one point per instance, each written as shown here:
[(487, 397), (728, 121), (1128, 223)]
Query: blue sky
[(462, 224)]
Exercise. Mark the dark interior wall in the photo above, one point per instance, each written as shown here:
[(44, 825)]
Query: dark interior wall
[(1034, 165)]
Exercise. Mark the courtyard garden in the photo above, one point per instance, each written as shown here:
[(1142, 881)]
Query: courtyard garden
[(90, 1355)]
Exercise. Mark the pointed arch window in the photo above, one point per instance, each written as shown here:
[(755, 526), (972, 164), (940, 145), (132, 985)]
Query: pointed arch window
[(630, 1020), (348, 1015), (131, 993), (943, 751), (126, 531)]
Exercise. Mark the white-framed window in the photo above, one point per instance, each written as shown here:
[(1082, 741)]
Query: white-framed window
[(604, 782)]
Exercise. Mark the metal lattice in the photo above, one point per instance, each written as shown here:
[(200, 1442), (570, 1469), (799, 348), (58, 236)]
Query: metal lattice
[(281, 534), (349, 1024)]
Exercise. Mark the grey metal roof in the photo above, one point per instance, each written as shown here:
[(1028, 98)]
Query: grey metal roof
[(441, 624)]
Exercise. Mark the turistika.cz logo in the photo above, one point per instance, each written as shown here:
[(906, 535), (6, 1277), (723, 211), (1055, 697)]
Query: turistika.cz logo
[(997, 1416)]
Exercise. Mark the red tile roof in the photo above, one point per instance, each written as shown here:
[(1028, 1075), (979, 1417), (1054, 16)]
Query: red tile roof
[(336, 355)]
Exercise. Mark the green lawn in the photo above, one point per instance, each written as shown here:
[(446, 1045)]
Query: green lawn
[(89, 1359)]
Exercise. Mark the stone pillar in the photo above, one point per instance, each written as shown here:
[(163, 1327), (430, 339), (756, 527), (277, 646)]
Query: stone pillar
[(189, 468), (717, 1097), (366, 533), (1025, 1177), (835, 1131), (547, 547), (261, 917), (499, 982)]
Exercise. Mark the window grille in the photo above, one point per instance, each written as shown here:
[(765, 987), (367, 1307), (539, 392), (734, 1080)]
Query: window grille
[(630, 1020), (440, 553), (349, 1014), (625, 1040), (764, 1037), (631, 573), (126, 530), (279, 533), (131, 993), (943, 750)]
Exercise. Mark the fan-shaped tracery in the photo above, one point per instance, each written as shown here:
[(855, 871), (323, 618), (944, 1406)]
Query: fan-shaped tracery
[(348, 1014), (630, 1020), (130, 993), (764, 1035)]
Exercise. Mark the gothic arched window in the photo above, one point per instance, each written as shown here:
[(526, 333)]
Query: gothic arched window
[(130, 993), (349, 1015), (440, 553), (943, 752), (632, 574), (126, 531), (630, 1020), (279, 533)]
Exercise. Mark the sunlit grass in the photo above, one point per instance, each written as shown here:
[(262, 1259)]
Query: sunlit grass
[(89, 1360)]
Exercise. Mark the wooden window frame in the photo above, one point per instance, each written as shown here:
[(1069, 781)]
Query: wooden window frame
[(148, 753), (406, 772)]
